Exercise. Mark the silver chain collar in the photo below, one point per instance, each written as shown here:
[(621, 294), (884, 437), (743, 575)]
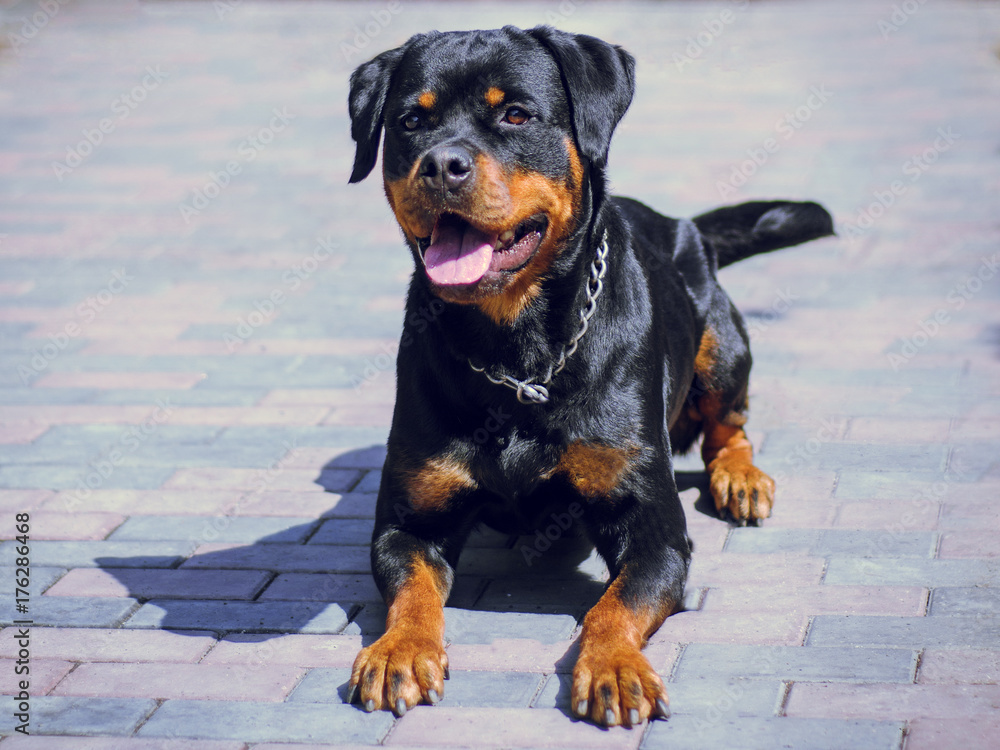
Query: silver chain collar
[(529, 392)]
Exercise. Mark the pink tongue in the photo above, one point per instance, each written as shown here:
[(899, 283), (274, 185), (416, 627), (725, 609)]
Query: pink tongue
[(458, 254)]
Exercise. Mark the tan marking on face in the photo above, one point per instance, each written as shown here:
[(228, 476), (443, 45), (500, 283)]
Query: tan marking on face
[(494, 96), (499, 200), (427, 100)]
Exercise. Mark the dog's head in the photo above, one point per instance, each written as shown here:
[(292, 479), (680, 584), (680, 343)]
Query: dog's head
[(491, 139)]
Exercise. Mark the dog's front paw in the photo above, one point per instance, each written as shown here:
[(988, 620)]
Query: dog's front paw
[(613, 686), (398, 671), (741, 488)]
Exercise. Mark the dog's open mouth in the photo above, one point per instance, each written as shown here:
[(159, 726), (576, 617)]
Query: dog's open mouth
[(458, 253)]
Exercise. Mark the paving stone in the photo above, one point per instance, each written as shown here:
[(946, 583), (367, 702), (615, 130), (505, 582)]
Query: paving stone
[(972, 732), (813, 664), (323, 685), (470, 626), (957, 544), (123, 743), (965, 667), (825, 542), (334, 651), (320, 587), (355, 531), (184, 681), (82, 716), (819, 599), (249, 617), (282, 558), (101, 554), (40, 579), (770, 732), (912, 572), (266, 722), (45, 674), (905, 632), (964, 601), (162, 584), (71, 611), (709, 698), (25, 476), (113, 645), (219, 529), (891, 701), (502, 727)]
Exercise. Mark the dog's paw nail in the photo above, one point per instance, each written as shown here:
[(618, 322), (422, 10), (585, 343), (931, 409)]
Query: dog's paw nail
[(433, 697), (581, 708), (609, 717), (400, 707), (633, 716), (352, 693), (370, 705), (662, 708)]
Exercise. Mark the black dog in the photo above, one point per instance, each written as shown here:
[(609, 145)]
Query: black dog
[(593, 325)]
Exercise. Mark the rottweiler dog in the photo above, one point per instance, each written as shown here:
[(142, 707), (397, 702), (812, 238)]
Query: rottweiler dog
[(559, 344)]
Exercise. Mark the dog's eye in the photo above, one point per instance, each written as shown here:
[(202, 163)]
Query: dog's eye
[(411, 122), (516, 116)]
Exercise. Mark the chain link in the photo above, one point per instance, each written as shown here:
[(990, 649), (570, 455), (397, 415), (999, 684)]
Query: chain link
[(529, 392)]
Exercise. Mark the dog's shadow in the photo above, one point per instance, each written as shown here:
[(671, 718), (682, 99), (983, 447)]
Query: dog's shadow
[(315, 578)]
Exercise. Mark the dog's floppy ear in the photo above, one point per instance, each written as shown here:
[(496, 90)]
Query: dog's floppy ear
[(599, 79), (369, 88)]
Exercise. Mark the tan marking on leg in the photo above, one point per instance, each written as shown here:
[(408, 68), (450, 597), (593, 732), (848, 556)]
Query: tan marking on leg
[(736, 484), (407, 665), (431, 486), (612, 677), (594, 469)]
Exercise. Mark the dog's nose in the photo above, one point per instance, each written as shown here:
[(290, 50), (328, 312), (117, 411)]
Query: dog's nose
[(446, 168)]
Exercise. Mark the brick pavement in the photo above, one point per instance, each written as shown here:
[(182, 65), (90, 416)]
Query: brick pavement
[(197, 325)]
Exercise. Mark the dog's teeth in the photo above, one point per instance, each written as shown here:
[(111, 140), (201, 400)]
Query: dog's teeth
[(507, 236)]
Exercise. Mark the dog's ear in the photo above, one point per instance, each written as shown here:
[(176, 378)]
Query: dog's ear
[(599, 79), (369, 88)]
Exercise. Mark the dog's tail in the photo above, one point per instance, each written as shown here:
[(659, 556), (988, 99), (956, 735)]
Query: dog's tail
[(737, 232)]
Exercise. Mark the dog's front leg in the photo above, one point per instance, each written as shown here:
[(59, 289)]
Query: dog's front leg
[(408, 664), (647, 552)]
